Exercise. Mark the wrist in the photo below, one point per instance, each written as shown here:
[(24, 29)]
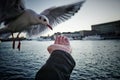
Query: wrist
[(59, 47)]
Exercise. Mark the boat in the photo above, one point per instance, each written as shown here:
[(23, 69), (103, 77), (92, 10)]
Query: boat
[(93, 37)]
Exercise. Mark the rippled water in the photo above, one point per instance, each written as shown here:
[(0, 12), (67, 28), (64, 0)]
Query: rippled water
[(95, 60)]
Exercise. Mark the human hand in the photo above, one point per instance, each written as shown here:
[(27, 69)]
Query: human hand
[(61, 43)]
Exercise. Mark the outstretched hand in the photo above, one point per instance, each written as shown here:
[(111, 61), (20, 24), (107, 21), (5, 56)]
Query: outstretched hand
[(61, 43)]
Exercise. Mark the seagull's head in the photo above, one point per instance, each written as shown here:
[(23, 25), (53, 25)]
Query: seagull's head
[(44, 20)]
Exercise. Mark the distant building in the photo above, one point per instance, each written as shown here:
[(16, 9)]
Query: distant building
[(87, 33), (110, 28)]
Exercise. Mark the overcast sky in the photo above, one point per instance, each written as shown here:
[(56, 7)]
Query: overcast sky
[(92, 12)]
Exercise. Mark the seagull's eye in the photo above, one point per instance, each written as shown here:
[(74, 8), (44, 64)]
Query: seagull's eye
[(44, 19)]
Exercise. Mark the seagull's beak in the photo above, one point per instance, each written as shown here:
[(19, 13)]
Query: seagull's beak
[(49, 26)]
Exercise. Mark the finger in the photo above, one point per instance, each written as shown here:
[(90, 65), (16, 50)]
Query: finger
[(63, 39), (67, 41), (56, 40), (59, 39)]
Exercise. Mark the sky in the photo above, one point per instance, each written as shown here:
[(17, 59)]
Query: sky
[(92, 12)]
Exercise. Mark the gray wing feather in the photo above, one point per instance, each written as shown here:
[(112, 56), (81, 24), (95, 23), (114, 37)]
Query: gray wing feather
[(10, 9), (60, 14)]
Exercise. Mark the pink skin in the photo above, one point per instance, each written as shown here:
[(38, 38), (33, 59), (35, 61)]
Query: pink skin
[(61, 43)]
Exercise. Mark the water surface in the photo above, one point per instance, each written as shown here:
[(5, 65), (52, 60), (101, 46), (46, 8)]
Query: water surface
[(95, 60)]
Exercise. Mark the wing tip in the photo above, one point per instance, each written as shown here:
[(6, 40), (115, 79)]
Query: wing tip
[(82, 2)]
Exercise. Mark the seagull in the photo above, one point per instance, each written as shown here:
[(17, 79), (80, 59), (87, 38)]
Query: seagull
[(17, 19)]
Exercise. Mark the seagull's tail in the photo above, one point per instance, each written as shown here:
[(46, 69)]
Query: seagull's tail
[(3, 30), (4, 33), (5, 36)]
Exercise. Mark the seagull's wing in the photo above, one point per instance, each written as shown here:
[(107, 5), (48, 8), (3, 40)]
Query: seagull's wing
[(10, 9), (57, 15)]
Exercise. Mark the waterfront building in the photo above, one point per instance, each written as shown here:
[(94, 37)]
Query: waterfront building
[(110, 28), (87, 33)]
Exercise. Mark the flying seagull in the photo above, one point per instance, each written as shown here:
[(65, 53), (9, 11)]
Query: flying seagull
[(16, 18)]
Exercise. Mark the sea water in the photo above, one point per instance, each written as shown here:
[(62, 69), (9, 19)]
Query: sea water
[(95, 60)]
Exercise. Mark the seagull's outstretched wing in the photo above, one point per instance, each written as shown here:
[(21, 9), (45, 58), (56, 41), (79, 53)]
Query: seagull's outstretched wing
[(57, 15), (10, 9)]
